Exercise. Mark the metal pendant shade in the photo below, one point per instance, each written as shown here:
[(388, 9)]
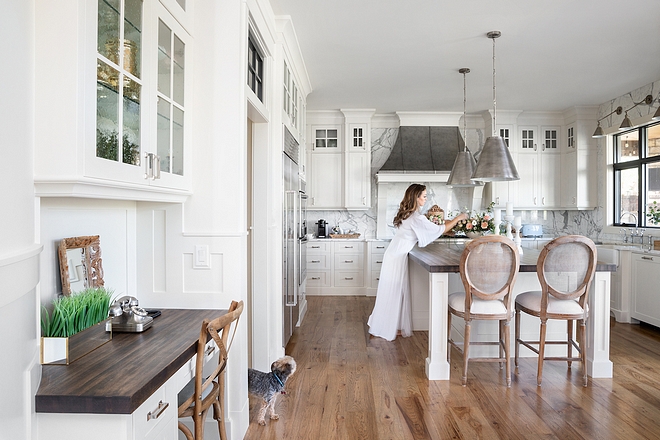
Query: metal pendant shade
[(495, 162), (461, 172)]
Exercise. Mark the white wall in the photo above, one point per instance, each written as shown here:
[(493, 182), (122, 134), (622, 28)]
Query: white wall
[(19, 256)]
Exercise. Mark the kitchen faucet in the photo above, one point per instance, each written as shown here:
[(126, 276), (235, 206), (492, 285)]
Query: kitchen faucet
[(625, 234), (629, 214)]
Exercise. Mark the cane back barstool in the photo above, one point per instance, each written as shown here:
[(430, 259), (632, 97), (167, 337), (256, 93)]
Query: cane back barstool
[(565, 269), (488, 268)]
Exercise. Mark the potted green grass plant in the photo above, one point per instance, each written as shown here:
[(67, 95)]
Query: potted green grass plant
[(76, 326)]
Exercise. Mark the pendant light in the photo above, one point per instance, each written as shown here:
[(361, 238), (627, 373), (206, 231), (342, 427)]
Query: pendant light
[(461, 172), (495, 162)]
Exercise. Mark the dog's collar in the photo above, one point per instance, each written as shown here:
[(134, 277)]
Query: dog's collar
[(278, 379)]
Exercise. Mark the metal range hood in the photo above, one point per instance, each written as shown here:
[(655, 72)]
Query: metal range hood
[(422, 150)]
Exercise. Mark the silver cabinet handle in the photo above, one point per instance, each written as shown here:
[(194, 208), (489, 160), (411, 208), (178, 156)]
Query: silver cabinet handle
[(379, 261), (348, 261), (316, 278), (316, 247), (210, 349), (380, 247), (162, 406), (647, 258), (348, 278), (543, 201), (315, 261), (348, 247)]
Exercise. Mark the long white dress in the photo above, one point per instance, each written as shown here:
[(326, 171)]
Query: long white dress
[(392, 311)]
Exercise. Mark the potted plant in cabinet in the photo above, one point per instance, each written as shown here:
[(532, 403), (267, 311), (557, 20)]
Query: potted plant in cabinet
[(76, 326)]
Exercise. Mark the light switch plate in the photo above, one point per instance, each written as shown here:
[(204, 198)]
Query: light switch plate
[(201, 258)]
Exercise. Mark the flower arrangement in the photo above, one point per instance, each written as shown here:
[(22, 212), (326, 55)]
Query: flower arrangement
[(436, 215), (477, 223), (653, 213)]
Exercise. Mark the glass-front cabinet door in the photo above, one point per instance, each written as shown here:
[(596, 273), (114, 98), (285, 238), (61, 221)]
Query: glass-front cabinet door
[(141, 68)]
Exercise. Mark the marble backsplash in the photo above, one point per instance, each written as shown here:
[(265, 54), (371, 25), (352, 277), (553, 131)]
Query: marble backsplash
[(587, 223)]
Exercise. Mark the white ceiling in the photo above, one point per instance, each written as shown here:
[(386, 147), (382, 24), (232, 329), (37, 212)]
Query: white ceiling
[(404, 55)]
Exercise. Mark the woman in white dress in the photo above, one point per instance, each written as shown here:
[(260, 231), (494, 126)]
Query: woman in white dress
[(392, 311)]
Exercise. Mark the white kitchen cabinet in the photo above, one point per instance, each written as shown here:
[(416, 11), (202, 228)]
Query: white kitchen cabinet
[(539, 166), (324, 179), (579, 163), (376, 252), (335, 267), (114, 120), (645, 279), (339, 164)]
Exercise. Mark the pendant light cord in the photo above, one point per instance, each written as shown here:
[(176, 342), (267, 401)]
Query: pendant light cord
[(493, 35), (465, 71)]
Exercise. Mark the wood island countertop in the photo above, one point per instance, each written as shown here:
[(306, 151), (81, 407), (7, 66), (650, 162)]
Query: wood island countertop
[(445, 257), (119, 376)]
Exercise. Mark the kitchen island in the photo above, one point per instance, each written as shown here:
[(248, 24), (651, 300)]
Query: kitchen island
[(434, 274)]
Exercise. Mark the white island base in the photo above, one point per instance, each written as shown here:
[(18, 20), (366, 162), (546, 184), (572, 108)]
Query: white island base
[(429, 308)]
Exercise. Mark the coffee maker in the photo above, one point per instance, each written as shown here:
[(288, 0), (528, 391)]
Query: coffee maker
[(322, 230)]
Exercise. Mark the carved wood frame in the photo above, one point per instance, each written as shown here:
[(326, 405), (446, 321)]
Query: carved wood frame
[(91, 246)]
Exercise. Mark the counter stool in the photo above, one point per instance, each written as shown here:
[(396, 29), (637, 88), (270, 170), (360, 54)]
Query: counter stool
[(488, 267), (565, 269), (202, 393)]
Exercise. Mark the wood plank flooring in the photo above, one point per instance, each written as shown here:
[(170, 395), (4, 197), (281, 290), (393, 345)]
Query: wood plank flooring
[(348, 386)]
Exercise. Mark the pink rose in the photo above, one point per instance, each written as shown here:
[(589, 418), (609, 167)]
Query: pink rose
[(486, 217), (484, 225), (468, 226)]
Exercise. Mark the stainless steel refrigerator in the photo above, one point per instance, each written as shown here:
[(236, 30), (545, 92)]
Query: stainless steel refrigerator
[(292, 225)]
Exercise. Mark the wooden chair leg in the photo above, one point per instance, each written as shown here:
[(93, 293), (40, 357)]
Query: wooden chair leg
[(466, 352), (501, 341), (221, 403), (448, 336), (507, 351), (570, 341), (517, 342), (583, 349), (539, 374)]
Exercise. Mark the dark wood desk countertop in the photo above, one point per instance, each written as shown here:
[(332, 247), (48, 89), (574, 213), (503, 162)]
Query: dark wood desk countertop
[(119, 376), (445, 257)]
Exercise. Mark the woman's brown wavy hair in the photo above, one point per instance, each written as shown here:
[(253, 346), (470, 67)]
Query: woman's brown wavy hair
[(409, 203)]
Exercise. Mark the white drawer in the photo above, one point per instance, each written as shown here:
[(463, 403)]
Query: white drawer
[(315, 247), (318, 279), (348, 261), (376, 262), (375, 276), (349, 247), (158, 410), (378, 247), (349, 279), (318, 262)]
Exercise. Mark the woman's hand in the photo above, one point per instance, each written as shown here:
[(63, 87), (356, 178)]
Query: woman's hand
[(449, 224)]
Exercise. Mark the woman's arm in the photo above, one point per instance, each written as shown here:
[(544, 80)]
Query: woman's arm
[(449, 224)]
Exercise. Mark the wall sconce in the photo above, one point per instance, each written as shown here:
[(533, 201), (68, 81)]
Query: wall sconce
[(599, 130), (627, 123)]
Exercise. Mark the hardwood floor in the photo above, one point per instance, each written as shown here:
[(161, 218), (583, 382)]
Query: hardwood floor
[(348, 386)]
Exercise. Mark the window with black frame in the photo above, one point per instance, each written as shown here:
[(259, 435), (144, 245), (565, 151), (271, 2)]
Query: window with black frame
[(637, 177), (255, 70)]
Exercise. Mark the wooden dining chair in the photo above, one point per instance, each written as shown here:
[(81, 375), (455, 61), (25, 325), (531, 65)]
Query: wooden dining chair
[(565, 269), (203, 393), (488, 268)]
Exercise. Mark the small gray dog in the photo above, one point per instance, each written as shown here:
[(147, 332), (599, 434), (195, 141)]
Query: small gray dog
[(269, 385)]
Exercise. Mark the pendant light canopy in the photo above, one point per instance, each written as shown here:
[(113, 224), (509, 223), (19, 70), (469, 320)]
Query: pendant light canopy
[(461, 172), (495, 161)]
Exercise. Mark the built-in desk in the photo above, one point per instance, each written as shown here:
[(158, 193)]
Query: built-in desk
[(125, 389), (434, 273)]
